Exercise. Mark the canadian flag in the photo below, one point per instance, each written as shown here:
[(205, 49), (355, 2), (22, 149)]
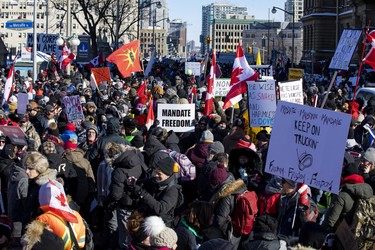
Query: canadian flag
[(150, 115), (8, 84), (241, 72), (66, 57), (93, 82), (370, 57), (52, 198), (141, 90), (210, 85), (96, 61)]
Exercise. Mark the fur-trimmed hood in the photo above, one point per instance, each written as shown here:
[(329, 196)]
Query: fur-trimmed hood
[(49, 174), (112, 151), (33, 234), (228, 188)]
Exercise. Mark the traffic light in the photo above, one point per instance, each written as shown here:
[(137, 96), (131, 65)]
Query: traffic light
[(208, 40), (249, 50)]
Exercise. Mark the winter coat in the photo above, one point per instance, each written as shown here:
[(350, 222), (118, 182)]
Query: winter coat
[(6, 167), (219, 134), (66, 171), (204, 188), (263, 240), (85, 175), (31, 201), (223, 201), (17, 191), (153, 149), (230, 141), (198, 154), (187, 240), (172, 142), (128, 162), (162, 198), (343, 204), (370, 179), (32, 134)]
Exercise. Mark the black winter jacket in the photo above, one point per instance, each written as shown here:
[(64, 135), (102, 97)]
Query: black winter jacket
[(153, 151)]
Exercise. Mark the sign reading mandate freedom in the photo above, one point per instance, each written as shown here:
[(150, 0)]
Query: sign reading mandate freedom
[(176, 117), (307, 145)]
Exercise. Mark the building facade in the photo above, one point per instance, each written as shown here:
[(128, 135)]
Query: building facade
[(177, 38), (216, 11), (323, 23), (296, 7)]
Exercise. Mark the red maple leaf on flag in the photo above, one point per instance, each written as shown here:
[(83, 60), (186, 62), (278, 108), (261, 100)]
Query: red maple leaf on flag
[(62, 199), (236, 75)]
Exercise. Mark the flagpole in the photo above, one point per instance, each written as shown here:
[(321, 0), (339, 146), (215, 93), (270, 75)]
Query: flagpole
[(35, 65), (361, 61), (329, 89)]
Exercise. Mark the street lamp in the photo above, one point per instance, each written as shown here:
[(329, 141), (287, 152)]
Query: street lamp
[(153, 28), (274, 10), (141, 6), (73, 41)]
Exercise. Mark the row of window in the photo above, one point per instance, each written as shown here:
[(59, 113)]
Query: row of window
[(20, 5), (232, 26), (21, 15)]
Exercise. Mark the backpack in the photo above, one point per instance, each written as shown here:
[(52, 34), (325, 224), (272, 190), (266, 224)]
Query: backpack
[(364, 223), (244, 213), (186, 171)]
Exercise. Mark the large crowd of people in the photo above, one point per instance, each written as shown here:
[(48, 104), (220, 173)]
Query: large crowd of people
[(109, 182)]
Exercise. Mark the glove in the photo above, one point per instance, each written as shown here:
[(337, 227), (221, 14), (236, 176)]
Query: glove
[(138, 191)]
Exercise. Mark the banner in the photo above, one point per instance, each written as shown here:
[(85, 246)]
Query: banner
[(291, 91), (221, 87), (45, 42), (15, 135), (345, 49), (307, 145), (22, 101), (295, 74), (176, 117), (73, 108), (261, 96), (195, 68)]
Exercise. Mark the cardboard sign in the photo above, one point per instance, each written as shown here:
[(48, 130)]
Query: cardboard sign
[(73, 108), (345, 49), (195, 68), (22, 101), (295, 74), (45, 42), (221, 87), (176, 117), (307, 145), (15, 134), (262, 102), (291, 91)]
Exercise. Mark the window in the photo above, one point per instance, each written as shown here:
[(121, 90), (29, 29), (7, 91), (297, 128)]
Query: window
[(74, 26), (37, 25), (2, 25), (42, 25), (19, 35)]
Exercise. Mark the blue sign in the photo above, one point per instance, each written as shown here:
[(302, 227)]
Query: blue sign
[(83, 49), (19, 24)]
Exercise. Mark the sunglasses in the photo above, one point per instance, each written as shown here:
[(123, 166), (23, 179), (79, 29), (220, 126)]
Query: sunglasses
[(2, 141)]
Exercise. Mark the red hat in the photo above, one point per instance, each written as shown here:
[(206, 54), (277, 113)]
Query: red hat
[(70, 144), (218, 175), (70, 126)]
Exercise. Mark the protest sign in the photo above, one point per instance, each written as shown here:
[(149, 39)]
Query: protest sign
[(101, 75), (345, 49), (73, 108), (15, 135), (221, 87), (195, 68), (22, 101), (307, 145), (176, 117), (291, 91), (261, 96), (295, 74)]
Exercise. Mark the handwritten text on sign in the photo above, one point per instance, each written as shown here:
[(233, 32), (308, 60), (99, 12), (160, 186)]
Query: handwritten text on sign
[(313, 141), (291, 91), (221, 87), (179, 118), (73, 108), (262, 103)]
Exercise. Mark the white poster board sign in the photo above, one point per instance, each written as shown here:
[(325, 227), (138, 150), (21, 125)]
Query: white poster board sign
[(261, 96), (176, 117), (195, 68), (345, 49), (291, 91), (22, 101), (221, 87), (307, 145), (73, 108)]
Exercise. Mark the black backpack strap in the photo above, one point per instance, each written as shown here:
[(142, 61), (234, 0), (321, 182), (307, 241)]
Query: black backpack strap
[(72, 236)]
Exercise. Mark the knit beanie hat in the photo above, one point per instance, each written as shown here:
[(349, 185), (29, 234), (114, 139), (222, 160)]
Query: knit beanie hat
[(349, 169), (207, 136), (53, 130), (167, 165), (71, 127), (49, 148), (265, 224), (37, 161), (166, 238), (218, 175), (290, 182), (93, 127), (262, 136), (70, 144), (216, 147), (369, 155)]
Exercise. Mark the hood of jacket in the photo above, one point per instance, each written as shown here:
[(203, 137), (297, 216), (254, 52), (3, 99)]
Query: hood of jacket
[(359, 190), (114, 154), (18, 173), (74, 155), (228, 188), (113, 126), (128, 159), (254, 160), (34, 232), (201, 150), (54, 160), (152, 146), (43, 178), (172, 139)]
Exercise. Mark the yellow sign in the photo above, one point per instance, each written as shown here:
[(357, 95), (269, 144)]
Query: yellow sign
[(295, 74)]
